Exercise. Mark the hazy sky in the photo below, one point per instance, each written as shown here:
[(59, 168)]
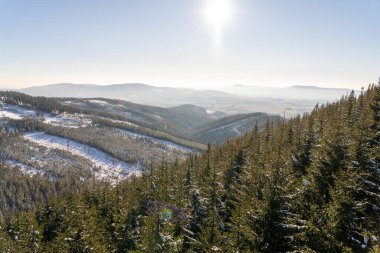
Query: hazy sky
[(332, 43)]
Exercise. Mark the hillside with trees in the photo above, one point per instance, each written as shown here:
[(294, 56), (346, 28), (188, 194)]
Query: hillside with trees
[(49, 145), (310, 184)]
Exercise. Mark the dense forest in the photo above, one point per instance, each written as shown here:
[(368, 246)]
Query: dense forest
[(308, 184)]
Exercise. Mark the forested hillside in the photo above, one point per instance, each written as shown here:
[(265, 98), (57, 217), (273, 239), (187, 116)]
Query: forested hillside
[(58, 144), (221, 130), (310, 184), (186, 121), (48, 148)]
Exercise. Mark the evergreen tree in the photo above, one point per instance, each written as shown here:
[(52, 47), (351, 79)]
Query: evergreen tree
[(303, 157), (334, 159)]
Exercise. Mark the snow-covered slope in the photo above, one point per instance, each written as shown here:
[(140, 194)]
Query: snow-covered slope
[(15, 112), (26, 169), (68, 120), (105, 167), (64, 119)]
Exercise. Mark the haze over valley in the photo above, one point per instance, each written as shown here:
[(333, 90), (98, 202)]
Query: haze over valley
[(235, 99)]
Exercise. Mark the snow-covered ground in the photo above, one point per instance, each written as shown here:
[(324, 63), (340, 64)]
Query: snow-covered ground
[(99, 102), (15, 112), (11, 115), (69, 102), (167, 144), (67, 120), (64, 119), (28, 170), (209, 111), (105, 167)]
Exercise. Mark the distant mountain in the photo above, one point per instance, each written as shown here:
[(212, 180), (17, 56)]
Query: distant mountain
[(307, 87), (133, 92), (296, 92), (237, 99)]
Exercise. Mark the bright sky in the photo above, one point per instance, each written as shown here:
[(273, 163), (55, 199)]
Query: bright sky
[(190, 43)]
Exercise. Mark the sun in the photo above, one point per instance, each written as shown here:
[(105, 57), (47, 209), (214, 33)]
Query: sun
[(217, 14)]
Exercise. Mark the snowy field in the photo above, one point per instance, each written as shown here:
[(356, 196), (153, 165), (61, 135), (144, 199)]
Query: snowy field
[(15, 112), (99, 102), (68, 120), (167, 144), (27, 170), (105, 167), (64, 119)]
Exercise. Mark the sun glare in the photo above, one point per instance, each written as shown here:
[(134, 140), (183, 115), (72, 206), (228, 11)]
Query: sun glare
[(217, 14)]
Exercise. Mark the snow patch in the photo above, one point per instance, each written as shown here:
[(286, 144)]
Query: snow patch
[(68, 120), (209, 111), (15, 112), (305, 182), (370, 183), (65, 119), (4, 114), (25, 169), (99, 102), (294, 226)]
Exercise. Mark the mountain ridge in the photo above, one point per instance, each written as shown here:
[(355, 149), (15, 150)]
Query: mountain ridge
[(232, 100)]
